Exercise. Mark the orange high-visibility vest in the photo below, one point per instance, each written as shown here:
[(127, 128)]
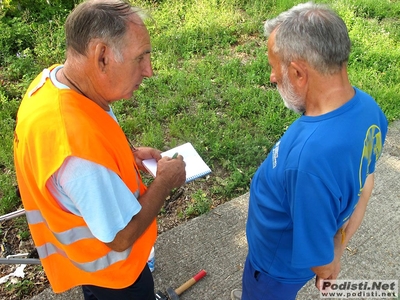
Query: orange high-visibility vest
[(53, 124)]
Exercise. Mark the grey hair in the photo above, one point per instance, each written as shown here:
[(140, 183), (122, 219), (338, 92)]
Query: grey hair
[(313, 33), (106, 20)]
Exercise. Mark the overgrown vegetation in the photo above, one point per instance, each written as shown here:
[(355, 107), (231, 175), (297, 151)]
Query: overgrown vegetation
[(211, 84)]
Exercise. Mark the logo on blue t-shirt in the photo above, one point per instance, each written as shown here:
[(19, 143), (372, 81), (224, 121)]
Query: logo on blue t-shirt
[(275, 154), (372, 150)]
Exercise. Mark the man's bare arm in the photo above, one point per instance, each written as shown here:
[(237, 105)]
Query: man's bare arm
[(343, 236), (359, 212), (170, 174)]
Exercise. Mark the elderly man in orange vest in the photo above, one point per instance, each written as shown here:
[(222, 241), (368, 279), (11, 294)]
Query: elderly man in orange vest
[(91, 217)]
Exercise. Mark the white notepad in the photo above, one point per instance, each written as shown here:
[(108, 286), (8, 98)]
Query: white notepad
[(195, 165)]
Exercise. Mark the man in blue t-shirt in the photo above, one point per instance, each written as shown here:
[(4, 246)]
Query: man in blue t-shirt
[(309, 196)]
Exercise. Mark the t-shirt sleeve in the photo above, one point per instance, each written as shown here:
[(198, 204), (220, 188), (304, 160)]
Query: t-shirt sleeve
[(314, 212), (98, 195)]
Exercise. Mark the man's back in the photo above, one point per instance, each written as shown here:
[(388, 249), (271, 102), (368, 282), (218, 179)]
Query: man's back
[(309, 185)]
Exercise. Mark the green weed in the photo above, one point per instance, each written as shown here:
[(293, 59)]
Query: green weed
[(21, 288), (199, 204)]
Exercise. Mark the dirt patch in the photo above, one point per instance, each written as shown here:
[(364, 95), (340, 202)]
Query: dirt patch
[(15, 239)]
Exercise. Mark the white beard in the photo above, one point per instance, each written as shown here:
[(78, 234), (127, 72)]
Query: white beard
[(290, 98)]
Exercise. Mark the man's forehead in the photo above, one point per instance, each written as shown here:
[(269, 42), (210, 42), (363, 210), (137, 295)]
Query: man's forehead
[(136, 19), (271, 39)]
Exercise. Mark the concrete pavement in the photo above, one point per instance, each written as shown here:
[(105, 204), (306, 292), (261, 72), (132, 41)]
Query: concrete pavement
[(216, 242)]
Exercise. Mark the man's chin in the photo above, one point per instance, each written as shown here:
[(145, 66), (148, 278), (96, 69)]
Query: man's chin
[(293, 108), (129, 95)]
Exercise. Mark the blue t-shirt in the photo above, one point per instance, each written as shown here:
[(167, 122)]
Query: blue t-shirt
[(309, 185)]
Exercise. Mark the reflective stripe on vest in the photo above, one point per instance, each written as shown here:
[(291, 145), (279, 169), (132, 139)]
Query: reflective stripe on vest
[(92, 266), (67, 237), (45, 75), (71, 236)]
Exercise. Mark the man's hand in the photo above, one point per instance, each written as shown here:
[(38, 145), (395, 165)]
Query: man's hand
[(171, 171), (142, 153), (331, 270)]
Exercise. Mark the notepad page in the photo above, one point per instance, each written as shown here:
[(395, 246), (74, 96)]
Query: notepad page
[(195, 165)]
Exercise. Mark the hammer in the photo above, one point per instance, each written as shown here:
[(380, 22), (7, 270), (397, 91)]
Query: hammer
[(174, 294)]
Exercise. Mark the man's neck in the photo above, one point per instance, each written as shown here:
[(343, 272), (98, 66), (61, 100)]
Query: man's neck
[(328, 93)]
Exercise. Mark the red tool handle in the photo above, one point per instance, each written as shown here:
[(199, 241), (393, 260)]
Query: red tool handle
[(190, 282), (199, 275)]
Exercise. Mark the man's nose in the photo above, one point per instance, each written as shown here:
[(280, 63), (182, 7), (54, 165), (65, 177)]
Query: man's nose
[(147, 70), (272, 77)]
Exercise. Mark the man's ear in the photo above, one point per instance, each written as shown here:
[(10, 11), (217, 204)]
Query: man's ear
[(101, 56), (298, 72)]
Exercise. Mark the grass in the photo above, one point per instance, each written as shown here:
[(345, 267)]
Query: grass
[(211, 84)]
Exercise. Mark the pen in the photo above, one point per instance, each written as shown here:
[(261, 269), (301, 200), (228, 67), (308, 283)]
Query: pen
[(175, 155)]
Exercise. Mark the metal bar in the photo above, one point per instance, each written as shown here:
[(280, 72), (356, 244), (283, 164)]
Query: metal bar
[(13, 259), (18, 261), (12, 215)]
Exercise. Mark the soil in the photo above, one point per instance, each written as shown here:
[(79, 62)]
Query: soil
[(15, 239)]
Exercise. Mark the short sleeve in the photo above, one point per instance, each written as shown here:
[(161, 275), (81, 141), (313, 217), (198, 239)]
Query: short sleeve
[(314, 212), (98, 195)]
